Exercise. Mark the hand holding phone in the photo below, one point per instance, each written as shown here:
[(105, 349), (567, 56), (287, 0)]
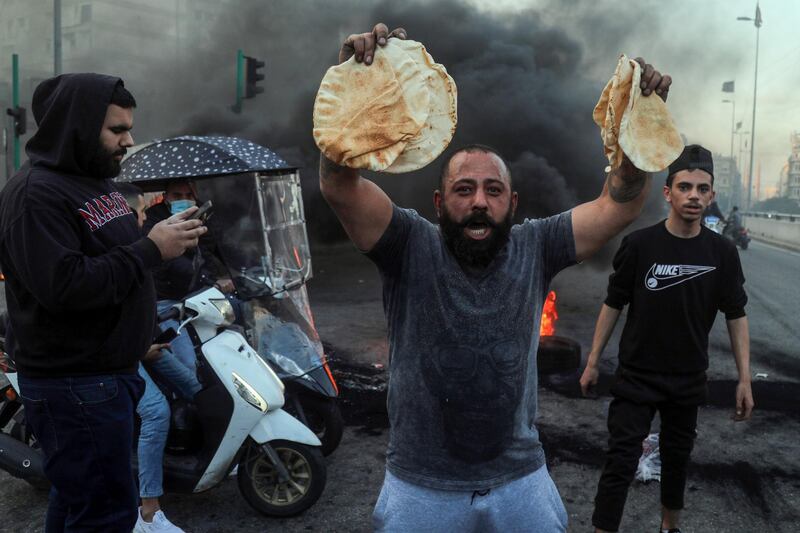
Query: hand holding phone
[(203, 213), (166, 336)]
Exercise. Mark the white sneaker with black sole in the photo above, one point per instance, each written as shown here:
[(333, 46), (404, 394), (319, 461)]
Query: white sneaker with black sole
[(160, 524)]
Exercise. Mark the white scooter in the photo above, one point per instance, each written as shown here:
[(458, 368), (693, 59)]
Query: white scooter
[(235, 420)]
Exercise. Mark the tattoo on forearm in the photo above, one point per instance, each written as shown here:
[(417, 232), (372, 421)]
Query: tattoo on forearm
[(625, 183)]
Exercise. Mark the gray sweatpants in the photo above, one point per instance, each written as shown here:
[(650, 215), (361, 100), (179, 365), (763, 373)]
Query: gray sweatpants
[(530, 504)]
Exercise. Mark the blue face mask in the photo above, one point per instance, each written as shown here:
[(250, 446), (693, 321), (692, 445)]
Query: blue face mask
[(179, 206)]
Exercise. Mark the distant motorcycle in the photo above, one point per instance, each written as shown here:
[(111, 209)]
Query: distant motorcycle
[(738, 234)]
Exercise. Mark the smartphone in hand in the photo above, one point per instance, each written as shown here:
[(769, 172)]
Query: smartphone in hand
[(166, 336), (203, 213)]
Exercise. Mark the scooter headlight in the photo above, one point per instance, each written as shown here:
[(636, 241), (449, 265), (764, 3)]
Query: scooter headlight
[(249, 394), (226, 310)]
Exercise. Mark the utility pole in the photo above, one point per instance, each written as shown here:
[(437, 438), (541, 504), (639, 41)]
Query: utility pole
[(237, 107), (733, 115), (15, 105), (57, 37), (757, 21)]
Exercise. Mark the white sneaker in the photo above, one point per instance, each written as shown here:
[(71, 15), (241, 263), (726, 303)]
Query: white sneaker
[(159, 524)]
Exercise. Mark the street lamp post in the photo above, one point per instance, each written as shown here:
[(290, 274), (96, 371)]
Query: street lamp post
[(57, 37), (742, 151), (733, 115), (757, 22)]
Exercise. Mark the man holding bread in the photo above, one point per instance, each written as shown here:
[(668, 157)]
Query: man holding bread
[(463, 301)]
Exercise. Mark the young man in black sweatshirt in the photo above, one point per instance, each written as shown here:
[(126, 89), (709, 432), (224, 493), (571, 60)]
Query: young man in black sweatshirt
[(80, 296), (675, 276)]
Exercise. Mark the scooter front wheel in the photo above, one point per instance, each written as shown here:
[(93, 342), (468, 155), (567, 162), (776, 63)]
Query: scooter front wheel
[(261, 485)]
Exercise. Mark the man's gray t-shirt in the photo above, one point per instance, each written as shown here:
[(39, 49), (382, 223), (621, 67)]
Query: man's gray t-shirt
[(462, 389)]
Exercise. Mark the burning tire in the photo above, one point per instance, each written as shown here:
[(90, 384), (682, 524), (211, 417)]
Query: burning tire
[(558, 355)]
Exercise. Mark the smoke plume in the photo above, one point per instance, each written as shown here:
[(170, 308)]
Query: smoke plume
[(522, 88)]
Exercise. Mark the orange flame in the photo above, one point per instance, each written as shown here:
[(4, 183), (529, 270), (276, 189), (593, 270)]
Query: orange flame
[(549, 316)]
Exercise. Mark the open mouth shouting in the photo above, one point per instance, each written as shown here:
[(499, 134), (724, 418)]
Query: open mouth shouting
[(477, 230)]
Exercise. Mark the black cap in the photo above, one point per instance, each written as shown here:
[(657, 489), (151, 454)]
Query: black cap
[(693, 157)]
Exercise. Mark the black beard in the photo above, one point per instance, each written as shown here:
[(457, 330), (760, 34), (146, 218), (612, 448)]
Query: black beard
[(469, 252), (103, 165)]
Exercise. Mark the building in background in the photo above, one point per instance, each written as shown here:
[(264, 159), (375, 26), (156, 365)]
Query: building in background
[(790, 181), (727, 182), (122, 38)]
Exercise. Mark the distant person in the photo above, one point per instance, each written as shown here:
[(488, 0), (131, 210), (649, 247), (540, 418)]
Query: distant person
[(676, 276), (463, 302), (734, 223), (80, 297), (154, 410)]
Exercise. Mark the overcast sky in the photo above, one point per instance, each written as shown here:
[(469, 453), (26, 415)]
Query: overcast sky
[(702, 45)]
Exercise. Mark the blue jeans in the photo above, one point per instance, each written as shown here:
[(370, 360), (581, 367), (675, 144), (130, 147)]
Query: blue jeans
[(85, 428), (154, 412), (181, 346), (530, 504)]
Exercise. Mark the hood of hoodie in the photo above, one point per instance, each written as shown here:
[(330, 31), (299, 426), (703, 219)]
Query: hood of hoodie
[(69, 112)]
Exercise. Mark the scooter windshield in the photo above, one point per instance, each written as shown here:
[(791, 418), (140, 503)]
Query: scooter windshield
[(284, 334), (259, 228)]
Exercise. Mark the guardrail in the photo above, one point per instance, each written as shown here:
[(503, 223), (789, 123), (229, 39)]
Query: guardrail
[(774, 216), (782, 229)]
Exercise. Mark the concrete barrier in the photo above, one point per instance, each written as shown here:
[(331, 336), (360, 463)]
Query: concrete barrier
[(774, 228)]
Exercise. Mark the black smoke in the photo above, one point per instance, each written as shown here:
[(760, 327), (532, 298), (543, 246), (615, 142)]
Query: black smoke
[(522, 87)]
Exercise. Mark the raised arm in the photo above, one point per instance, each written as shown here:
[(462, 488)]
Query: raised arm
[(361, 206), (595, 223)]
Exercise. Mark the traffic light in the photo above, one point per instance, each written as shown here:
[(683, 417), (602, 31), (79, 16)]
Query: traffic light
[(20, 115), (252, 77)]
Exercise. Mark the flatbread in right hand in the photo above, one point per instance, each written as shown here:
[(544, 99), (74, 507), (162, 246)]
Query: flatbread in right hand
[(365, 115)]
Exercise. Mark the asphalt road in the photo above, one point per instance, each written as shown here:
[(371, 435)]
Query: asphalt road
[(745, 476)]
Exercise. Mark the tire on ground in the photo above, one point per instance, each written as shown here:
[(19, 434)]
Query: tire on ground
[(558, 355)]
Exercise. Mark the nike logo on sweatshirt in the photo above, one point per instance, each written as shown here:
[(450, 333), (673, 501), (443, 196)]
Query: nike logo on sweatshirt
[(661, 277)]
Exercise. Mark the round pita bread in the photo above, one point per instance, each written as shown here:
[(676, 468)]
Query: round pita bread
[(364, 115), (648, 135), (633, 124), (439, 128)]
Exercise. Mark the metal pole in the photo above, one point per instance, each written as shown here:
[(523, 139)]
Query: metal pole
[(15, 104), (57, 37), (6, 158), (237, 107), (753, 127), (177, 31), (733, 117)]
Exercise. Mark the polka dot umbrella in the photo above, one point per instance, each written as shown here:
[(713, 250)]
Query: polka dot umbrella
[(196, 157)]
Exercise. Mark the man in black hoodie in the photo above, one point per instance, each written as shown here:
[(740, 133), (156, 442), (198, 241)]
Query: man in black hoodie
[(80, 296)]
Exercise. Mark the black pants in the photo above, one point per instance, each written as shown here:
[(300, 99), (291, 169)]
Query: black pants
[(629, 418)]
